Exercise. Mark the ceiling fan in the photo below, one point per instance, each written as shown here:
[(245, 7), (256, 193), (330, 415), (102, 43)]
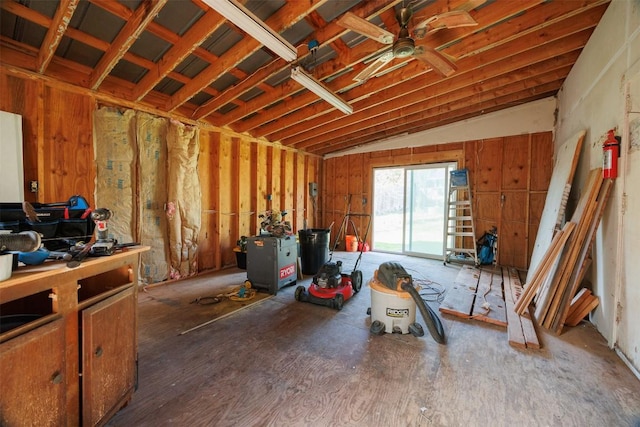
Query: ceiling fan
[(404, 45)]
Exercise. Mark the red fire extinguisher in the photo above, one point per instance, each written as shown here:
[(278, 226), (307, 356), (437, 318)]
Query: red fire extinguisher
[(611, 152)]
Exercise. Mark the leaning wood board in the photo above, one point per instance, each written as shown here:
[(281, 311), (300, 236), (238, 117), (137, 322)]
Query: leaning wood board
[(515, 333), (540, 276), (583, 259), (546, 298), (574, 248), (521, 330), (555, 202), (582, 311), (578, 300)]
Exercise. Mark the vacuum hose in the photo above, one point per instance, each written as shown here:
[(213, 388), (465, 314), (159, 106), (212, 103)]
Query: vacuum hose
[(431, 319)]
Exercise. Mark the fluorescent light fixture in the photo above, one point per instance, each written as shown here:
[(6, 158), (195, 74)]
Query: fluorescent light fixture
[(319, 89), (249, 23)]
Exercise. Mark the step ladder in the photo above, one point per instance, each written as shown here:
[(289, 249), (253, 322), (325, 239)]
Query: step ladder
[(460, 235)]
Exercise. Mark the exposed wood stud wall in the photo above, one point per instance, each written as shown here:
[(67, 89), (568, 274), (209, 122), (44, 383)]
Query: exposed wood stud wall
[(509, 179), (236, 172), (208, 238)]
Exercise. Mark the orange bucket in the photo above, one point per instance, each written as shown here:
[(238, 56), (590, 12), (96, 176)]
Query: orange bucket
[(351, 243)]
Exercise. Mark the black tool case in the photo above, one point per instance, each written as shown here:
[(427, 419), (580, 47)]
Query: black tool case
[(60, 224)]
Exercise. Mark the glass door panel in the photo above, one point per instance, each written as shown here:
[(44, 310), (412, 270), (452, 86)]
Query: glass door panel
[(388, 209), (409, 209), (424, 211)]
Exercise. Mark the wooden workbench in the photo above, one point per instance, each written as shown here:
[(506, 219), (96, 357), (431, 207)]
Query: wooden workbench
[(74, 361)]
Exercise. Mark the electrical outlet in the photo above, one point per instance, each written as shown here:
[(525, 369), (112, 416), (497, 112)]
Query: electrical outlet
[(33, 186), (313, 189)]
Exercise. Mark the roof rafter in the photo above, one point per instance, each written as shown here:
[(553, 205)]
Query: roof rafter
[(143, 15)]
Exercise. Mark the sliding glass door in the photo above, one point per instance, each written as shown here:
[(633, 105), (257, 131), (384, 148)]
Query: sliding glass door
[(409, 209)]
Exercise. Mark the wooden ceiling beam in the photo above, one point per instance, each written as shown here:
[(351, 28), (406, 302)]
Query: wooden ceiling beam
[(323, 36), (529, 78), (491, 88), (284, 18), (453, 115), (120, 10), (358, 53), (17, 54), (44, 21), (391, 86), (548, 13), (410, 95), (56, 30), (143, 15), (240, 88), (189, 42)]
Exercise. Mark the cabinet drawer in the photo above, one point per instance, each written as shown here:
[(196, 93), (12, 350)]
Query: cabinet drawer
[(93, 289), (23, 314)]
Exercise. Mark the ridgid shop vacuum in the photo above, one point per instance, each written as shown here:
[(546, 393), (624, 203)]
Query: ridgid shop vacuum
[(394, 299)]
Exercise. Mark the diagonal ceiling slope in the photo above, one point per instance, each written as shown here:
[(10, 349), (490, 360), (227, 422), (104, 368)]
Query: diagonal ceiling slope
[(183, 58)]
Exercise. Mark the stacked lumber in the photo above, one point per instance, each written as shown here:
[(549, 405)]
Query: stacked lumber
[(581, 305), (556, 280)]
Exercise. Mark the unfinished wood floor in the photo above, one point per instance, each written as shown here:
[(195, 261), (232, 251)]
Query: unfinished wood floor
[(285, 363)]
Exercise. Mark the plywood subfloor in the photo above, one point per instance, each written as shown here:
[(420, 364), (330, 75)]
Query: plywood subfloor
[(281, 362)]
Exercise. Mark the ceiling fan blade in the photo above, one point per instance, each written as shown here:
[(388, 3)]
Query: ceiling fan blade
[(438, 61), (374, 66), (353, 22), (453, 19)]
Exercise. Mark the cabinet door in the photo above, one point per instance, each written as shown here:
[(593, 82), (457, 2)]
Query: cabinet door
[(32, 377), (108, 355)]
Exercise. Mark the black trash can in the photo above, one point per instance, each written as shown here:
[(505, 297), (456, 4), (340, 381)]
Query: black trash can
[(314, 249)]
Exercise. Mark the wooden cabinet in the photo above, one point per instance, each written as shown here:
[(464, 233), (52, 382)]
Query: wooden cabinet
[(108, 355), (42, 370), (75, 361)]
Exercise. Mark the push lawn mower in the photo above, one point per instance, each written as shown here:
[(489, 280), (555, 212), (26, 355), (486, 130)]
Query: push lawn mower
[(330, 286)]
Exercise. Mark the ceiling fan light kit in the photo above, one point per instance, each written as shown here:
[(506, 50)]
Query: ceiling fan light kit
[(319, 89), (252, 25), (404, 45)]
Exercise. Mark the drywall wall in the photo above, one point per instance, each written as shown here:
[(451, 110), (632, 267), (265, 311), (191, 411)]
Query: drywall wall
[(533, 117), (595, 97), (11, 174)]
